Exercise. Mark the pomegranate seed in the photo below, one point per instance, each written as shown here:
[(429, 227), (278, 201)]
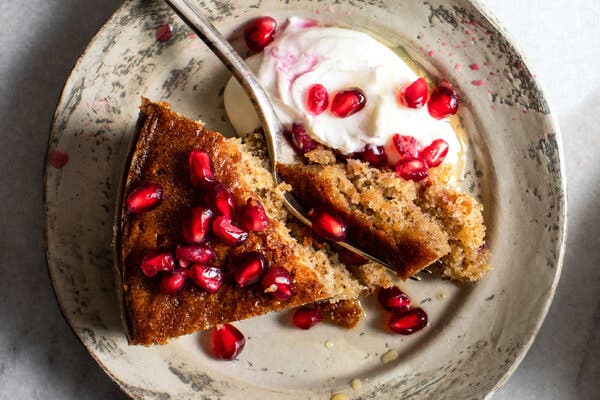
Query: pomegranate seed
[(249, 269), (327, 224), (348, 102), (187, 255), (173, 282), (443, 101), (416, 94), (393, 299), (317, 99), (305, 317), (408, 322), (351, 258), (201, 169), (374, 155), (434, 154), (253, 217), (229, 234), (208, 278), (164, 33), (153, 263), (259, 33), (222, 199), (407, 146), (277, 281), (196, 227), (301, 139), (227, 341), (144, 198), (412, 169), (58, 159)]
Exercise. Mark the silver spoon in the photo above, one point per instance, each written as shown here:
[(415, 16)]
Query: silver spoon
[(279, 149)]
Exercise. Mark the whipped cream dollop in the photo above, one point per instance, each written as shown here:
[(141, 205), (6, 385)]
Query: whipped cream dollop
[(337, 58)]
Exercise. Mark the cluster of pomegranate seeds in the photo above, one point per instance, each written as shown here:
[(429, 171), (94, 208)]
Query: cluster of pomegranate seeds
[(227, 342), (277, 281), (173, 282), (202, 173), (306, 317), (249, 269), (374, 155), (196, 227), (259, 33), (207, 277), (403, 320), (144, 198), (415, 95), (301, 139), (155, 262), (327, 224), (408, 322), (443, 101), (393, 299), (189, 254), (253, 217), (317, 99), (348, 102), (414, 162)]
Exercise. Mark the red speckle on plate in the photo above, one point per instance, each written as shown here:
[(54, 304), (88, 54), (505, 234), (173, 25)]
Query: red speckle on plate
[(457, 66), (164, 33), (478, 82), (58, 159), (475, 67), (467, 32), (430, 53)]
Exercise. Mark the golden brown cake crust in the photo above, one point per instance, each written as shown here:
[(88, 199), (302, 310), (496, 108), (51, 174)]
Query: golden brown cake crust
[(160, 156)]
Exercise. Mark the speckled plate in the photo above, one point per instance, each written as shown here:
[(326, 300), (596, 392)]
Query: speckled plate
[(477, 334)]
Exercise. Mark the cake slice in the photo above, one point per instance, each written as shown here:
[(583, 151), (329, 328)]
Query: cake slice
[(408, 225), (161, 157)]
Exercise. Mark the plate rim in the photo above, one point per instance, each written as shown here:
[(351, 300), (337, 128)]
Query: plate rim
[(562, 216)]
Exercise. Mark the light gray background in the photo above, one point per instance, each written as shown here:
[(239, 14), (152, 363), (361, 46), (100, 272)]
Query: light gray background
[(40, 40)]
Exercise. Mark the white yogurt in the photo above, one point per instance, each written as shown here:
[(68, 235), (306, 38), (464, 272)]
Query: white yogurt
[(338, 59)]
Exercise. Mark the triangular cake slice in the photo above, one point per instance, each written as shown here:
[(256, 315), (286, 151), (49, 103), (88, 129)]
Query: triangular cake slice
[(408, 225), (161, 157)]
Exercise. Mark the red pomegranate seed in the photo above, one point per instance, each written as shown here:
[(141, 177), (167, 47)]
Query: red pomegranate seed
[(348, 102), (164, 33), (58, 159), (144, 198), (229, 234), (305, 317), (351, 259), (407, 146), (187, 255), (249, 269), (208, 278), (374, 155), (301, 139), (434, 154), (253, 217), (227, 342), (443, 101), (412, 169), (153, 263), (408, 322), (393, 299), (327, 224), (415, 95), (277, 281), (197, 226), (201, 169), (317, 99), (222, 199), (259, 33), (173, 282)]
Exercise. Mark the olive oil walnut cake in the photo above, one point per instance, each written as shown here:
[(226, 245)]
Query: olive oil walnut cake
[(177, 277)]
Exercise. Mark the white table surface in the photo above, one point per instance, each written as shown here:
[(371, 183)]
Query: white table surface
[(40, 358)]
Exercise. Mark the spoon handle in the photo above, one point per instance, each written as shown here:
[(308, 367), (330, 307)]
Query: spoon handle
[(197, 21)]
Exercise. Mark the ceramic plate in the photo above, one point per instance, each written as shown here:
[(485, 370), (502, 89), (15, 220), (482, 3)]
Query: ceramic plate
[(477, 334)]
